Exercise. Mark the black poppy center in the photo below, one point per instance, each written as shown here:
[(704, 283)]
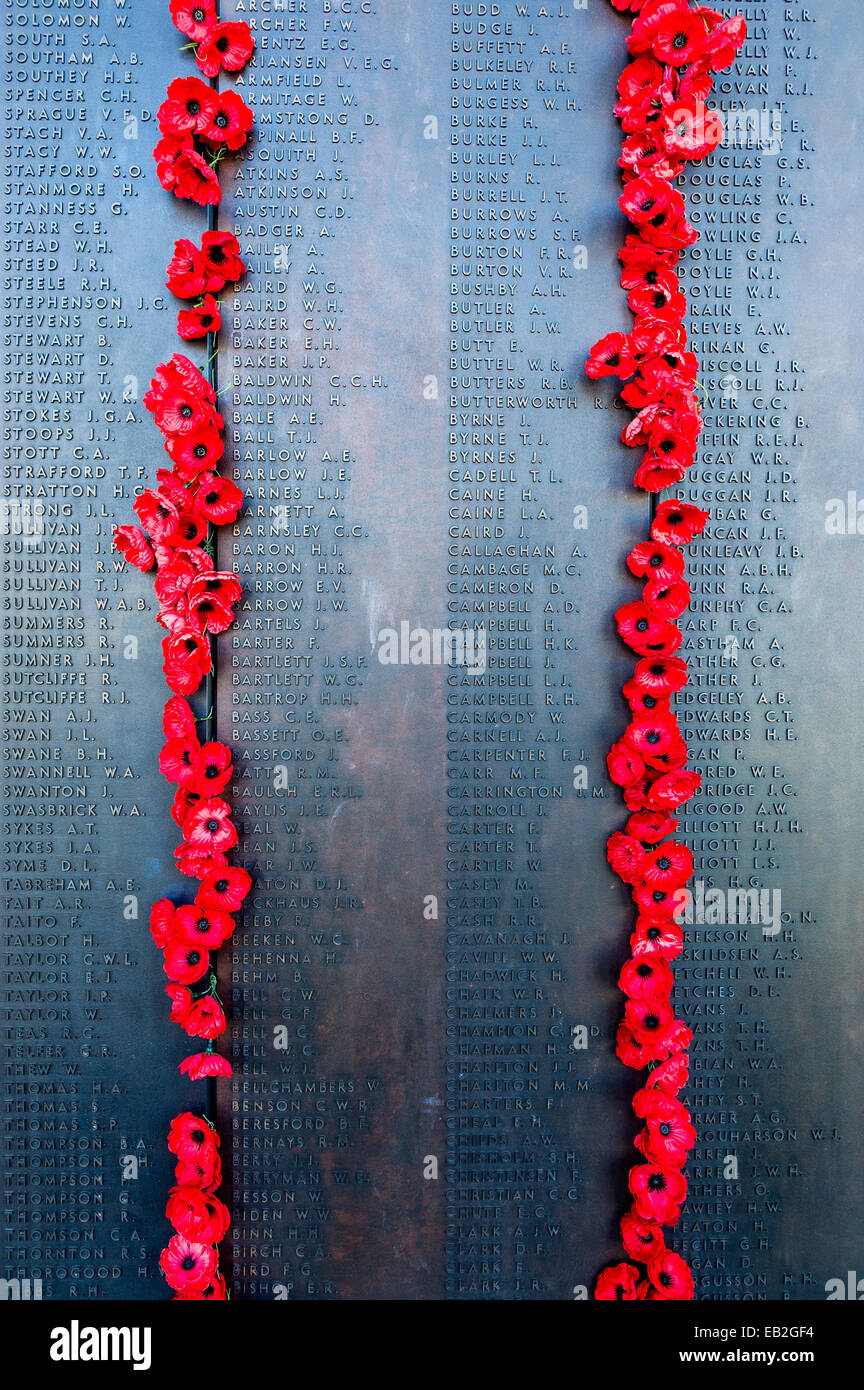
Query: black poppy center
[(656, 1182), (653, 933), (665, 1129), (186, 411), (212, 826), (193, 107), (200, 451), (663, 863), (680, 40), (221, 886), (642, 625)]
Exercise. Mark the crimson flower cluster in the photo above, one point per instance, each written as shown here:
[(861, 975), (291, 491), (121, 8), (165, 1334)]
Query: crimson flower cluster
[(198, 124), (675, 51)]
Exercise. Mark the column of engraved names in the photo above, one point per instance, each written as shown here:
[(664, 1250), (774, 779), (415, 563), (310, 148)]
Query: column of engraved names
[(289, 672), (509, 1154), (748, 933)]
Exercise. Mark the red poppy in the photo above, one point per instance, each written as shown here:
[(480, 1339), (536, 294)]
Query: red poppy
[(677, 37), (133, 545), (182, 411), (224, 889), (163, 927), (180, 759), (191, 1138), (625, 765), (197, 322), (642, 1240), (157, 514), (228, 121), (673, 789), (658, 902), (203, 1064), (611, 356), (617, 1282), (167, 154), (197, 1215), (645, 633), (653, 736), (187, 1264), (194, 18), (214, 1292), (206, 928), (650, 826), (668, 1135), (209, 827), (220, 252), (204, 1172), (205, 1019), (656, 934), (677, 522), (650, 1021), (187, 107), (671, 1276), (186, 276), (661, 675), (629, 1049), (218, 499), (209, 611), (717, 49), (655, 473), (641, 702), (626, 857), (228, 46), (667, 600), (214, 769), (691, 130), (184, 962), (645, 977), (195, 453), (185, 798), (198, 863), (670, 1076), (181, 1002), (658, 1193), (194, 178), (668, 866), (187, 660)]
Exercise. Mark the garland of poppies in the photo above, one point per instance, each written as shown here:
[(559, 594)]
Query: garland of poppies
[(663, 90), (199, 125)]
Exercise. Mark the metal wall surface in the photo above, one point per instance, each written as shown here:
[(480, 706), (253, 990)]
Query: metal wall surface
[(401, 373)]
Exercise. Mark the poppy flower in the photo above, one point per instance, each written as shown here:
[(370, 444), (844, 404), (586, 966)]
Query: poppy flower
[(644, 152), (220, 253), (181, 1002), (157, 514), (650, 826), (617, 1282), (228, 46), (667, 600), (625, 765), (670, 1076), (209, 827), (611, 356), (132, 544), (228, 121), (676, 522), (187, 1264), (215, 769), (187, 660), (194, 178), (204, 1172), (654, 473), (163, 927), (195, 18), (650, 1020), (214, 1292), (190, 1137), (656, 934), (203, 1064), (641, 702), (661, 675), (658, 1193), (626, 857), (187, 107), (645, 633), (677, 37), (186, 276), (205, 928), (657, 902), (205, 1019), (671, 1276), (718, 49), (167, 153), (224, 889), (691, 130), (642, 1240), (185, 798), (184, 962), (197, 322), (629, 1049), (668, 1135), (673, 789), (210, 612), (198, 863), (652, 735), (197, 1215), (646, 199), (182, 411), (646, 977), (668, 866), (180, 758), (195, 453), (218, 499)]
